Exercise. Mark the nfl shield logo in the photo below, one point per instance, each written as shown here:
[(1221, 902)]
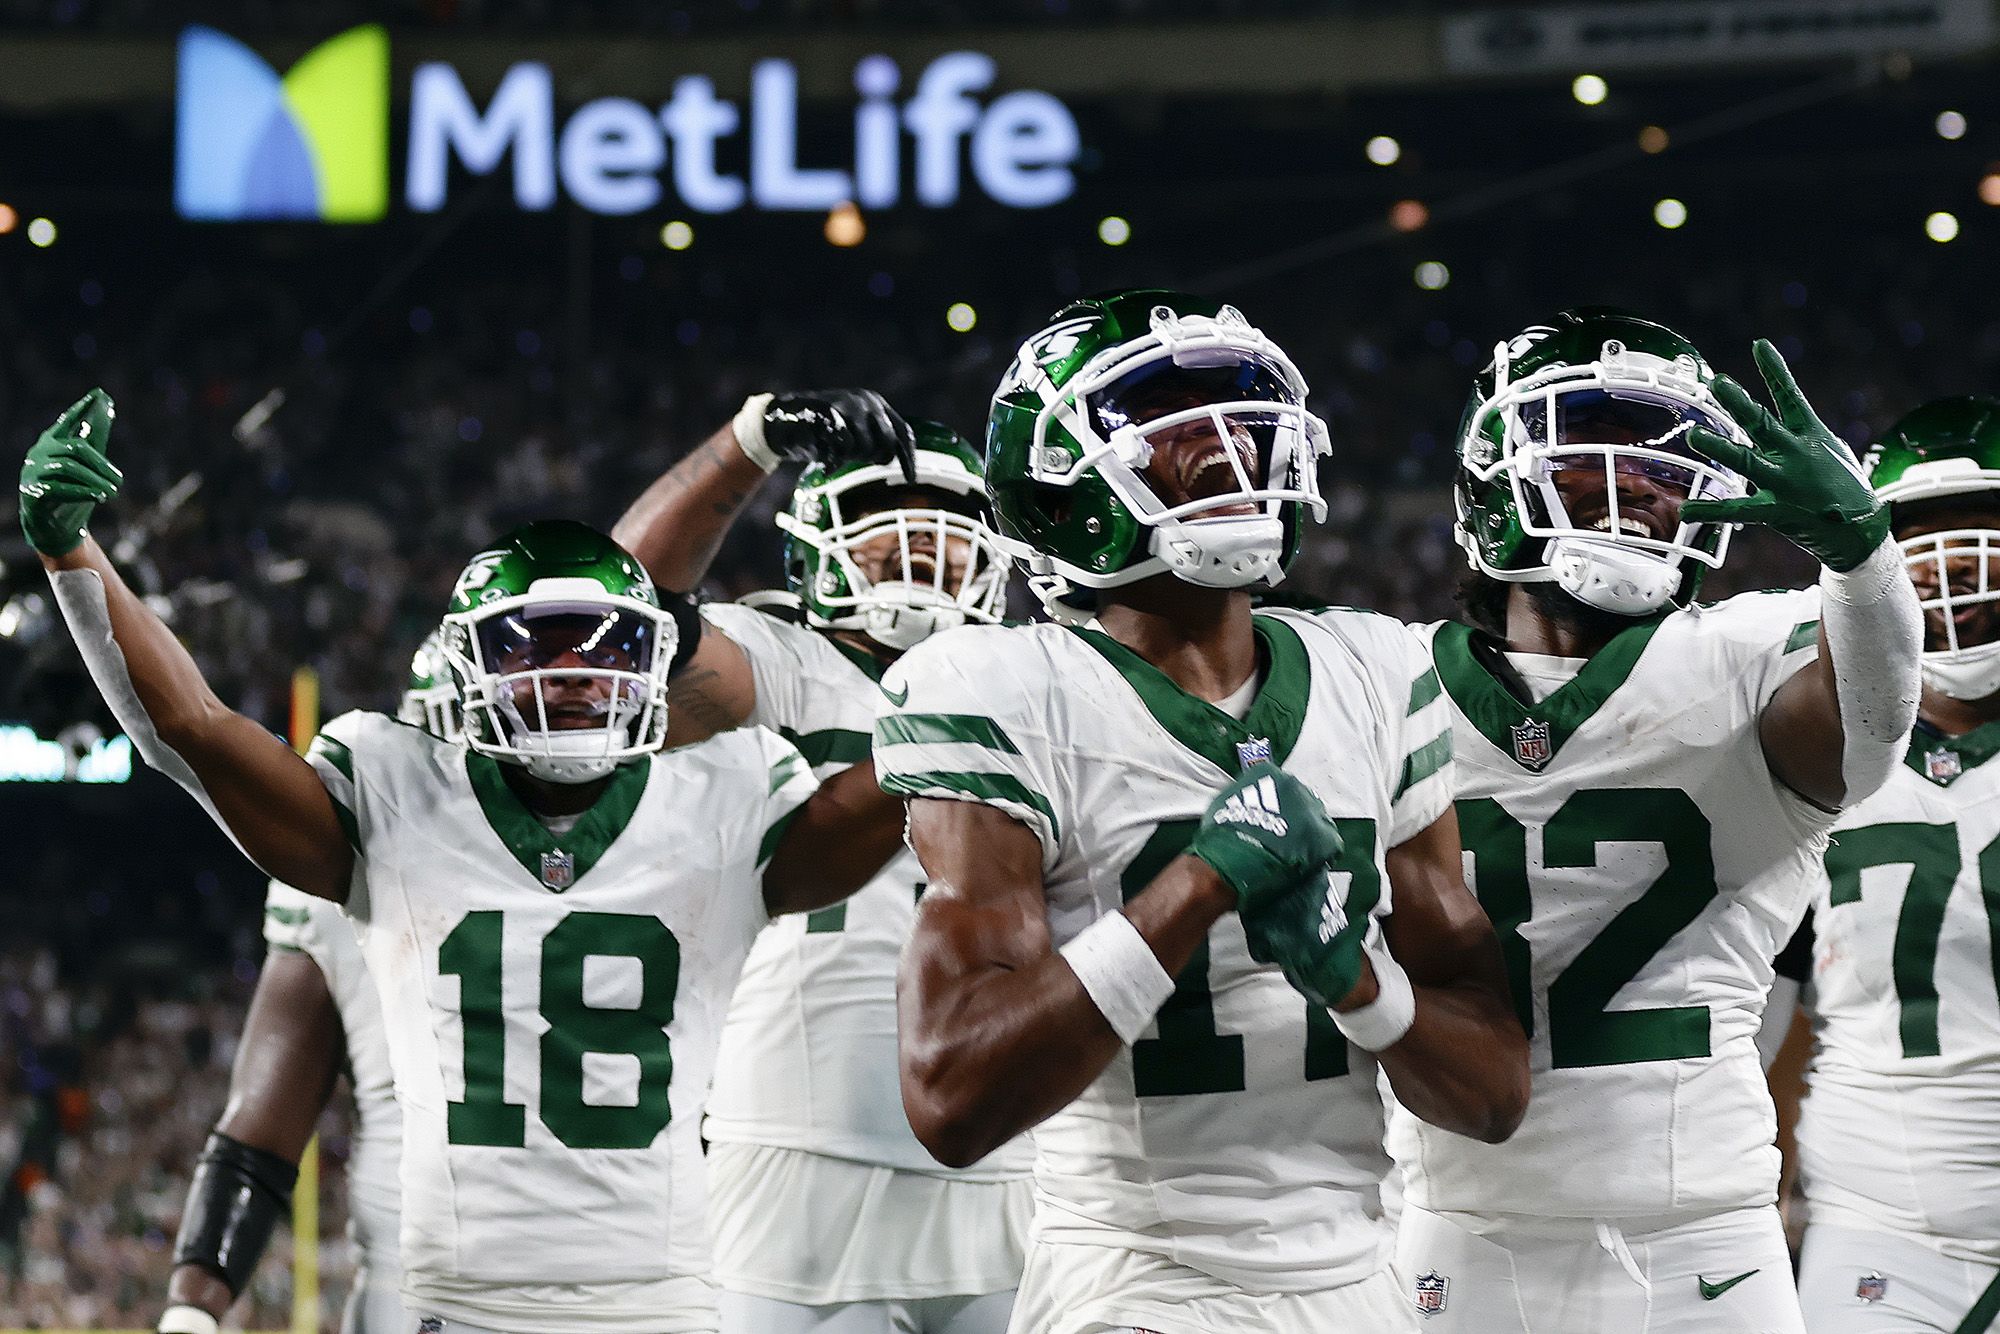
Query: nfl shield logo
[(1431, 1288), (558, 870), (1255, 751), (1531, 744), (1941, 766), (431, 1324), (1871, 1288)]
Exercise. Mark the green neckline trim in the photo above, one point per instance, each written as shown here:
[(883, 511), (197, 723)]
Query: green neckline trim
[(1973, 749), (530, 840), (1276, 715), (867, 662), (1492, 708)]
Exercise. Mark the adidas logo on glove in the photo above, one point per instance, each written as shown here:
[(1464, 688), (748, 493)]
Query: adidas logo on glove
[(1256, 806), (1333, 912)]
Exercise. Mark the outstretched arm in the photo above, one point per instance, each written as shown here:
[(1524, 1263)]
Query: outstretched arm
[(1836, 730), (263, 794), (1463, 1063), (844, 834), (997, 1030), (291, 1054), (677, 525)]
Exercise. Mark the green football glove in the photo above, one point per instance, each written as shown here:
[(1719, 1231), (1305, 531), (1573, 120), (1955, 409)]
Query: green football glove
[(1809, 486), (67, 475), (1266, 834), (1309, 935)]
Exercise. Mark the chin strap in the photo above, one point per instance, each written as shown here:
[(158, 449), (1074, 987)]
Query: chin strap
[(1875, 631), (1625, 583)]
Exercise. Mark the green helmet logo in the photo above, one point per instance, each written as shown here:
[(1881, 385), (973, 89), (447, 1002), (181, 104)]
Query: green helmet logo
[(560, 653), (866, 550), (1574, 460), (1948, 452), (430, 700), (1150, 432)]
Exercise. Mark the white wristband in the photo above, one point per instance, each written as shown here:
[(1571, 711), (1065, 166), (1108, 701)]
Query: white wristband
[(1875, 632), (187, 1320), (1120, 973), (748, 426), (1383, 1021)]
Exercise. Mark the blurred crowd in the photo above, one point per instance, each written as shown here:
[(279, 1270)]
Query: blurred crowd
[(116, 1081)]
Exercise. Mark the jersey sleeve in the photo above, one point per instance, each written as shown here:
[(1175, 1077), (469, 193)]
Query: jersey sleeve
[(1416, 718), (332, 758), (1769, 638), (791, 784), (288, 919), (792, 669), (956, 724)]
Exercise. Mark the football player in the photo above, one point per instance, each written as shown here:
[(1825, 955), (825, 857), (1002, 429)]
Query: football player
[(1899, 1138), (1139, 830), (828, 1215), (553, 912), (1644, 788), (314, 1012)]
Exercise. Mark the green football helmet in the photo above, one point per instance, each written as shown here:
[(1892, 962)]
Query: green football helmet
[(1948, 448), (560, 652), (1080, 415), (839, 511), (430, 701), (1600, 391)]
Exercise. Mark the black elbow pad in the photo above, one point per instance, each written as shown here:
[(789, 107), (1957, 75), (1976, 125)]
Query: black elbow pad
[(235, 1201)]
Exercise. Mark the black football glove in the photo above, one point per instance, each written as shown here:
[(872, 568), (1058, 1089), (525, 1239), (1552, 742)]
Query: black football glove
[(837, 427)]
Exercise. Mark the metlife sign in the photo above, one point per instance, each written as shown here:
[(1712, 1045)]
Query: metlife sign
[(312, 143)]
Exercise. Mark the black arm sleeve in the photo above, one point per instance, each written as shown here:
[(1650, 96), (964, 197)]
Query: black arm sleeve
[(236, 1199)]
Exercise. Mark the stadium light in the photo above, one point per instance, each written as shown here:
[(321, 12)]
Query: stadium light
[(845, 226), (1589, 89), (677, 235), (42, 232), (1408, 215), (1383, 150), (1670, 214), (8, 217), (1432, 276), (1989, 188), (1950, 125), (1941, 227), (1652, 139), (960, 317), (1114, 230)]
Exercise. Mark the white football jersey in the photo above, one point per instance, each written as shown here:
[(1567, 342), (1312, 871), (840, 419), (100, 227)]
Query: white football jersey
[(1642, 866), (554, 1003), (316, 928), (811, 1034), (1242, 1136), (1900, 1128)]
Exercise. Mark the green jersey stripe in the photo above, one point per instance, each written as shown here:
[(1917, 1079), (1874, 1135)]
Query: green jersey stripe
[(980, 786), (1804, 635), (1426, 689), (943, 729), (1424, 761), (334, 752), (834, 745), (785, 770)]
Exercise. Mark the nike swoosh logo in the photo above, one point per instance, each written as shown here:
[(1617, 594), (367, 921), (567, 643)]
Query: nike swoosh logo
[(1710, 1291), (896, 699)]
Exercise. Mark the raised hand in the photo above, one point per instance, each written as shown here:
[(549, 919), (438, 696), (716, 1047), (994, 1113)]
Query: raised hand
[(839, 426), (1809, 485), (67, 475)]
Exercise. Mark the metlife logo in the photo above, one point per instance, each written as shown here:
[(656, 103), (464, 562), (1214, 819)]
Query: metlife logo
[(949, 138)]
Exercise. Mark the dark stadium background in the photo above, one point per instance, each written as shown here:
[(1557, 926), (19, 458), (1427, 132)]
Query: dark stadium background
[(448, 375)]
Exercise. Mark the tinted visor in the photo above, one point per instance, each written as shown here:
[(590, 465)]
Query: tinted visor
[(531, 639), (1160, 387), (1635, 426)]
